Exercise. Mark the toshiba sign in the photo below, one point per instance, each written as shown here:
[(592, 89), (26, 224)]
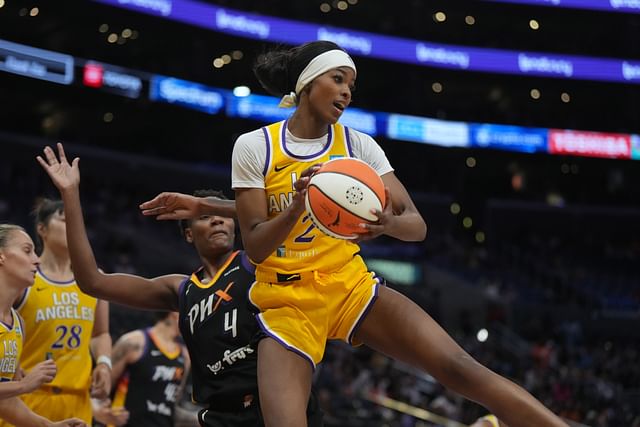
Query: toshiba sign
[(590, 144)]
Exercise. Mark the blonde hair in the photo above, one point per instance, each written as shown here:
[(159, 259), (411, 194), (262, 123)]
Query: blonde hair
[(5, 231)]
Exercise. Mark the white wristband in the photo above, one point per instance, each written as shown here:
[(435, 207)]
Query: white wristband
[(104, 359)]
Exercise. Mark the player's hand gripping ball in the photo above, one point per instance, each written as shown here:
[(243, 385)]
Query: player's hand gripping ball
[(341, 195)]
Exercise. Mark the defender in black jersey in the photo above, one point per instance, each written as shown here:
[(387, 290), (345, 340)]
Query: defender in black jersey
[(148, 369), (226, 377)]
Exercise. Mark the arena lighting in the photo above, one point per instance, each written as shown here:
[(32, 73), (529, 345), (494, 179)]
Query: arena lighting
[(480, 237), (436, 87), (482, 335), (454, 208), (103, 28), (324, 7), (266, 28), (440, 16), (535, 94), (471, 162), (1, 3), (467, 222), (533, 24), (469, 20), (565, 97), (241, 91), (58, 68), (34, 12)]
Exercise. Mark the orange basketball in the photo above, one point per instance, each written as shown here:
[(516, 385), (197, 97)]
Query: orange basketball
[(340, 197)]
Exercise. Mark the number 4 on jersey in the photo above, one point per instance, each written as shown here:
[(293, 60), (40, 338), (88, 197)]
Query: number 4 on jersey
[(231, 324)]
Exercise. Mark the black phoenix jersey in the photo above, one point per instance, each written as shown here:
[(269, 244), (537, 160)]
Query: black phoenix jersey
[(148, 387), (218, 324)]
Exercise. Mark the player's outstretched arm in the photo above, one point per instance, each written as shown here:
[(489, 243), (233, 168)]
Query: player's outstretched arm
[(169, 205), (14, 411), (160, 293)]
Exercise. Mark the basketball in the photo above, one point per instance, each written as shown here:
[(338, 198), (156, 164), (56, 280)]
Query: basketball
[(340, 196)]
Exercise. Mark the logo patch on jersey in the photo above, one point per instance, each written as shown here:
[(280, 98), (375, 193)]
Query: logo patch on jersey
[(279, 168), (201, 310), (288, 277), (230, 357), (236, 268)]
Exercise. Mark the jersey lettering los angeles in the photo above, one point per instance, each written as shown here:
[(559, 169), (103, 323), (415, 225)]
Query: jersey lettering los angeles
[(148, 387), (59, 319), (217, 325), (306, 248), (11, 337)]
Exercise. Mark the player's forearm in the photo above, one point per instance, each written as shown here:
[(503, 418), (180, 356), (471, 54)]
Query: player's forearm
[(101, 345), (11, 389), (409, 227), (14, 411), (264, 238), (85, 268), (218, 207)]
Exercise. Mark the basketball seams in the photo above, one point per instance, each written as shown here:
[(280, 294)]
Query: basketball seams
[(339, 204), (355, 179), (321, 227)]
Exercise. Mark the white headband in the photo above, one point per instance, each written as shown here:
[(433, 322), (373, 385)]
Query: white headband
[(320, 64)]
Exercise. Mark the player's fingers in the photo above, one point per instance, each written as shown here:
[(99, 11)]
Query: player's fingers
[(155, 202), (61, 153), (50, 155), (42, 162), (310, 170), (168, 216)]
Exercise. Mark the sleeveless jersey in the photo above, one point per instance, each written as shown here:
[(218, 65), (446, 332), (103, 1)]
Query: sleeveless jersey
[(148, 387), (11, 337), (217, 325), (59, 319), (306, 248)]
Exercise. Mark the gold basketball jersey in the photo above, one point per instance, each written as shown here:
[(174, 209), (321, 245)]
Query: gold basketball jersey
[(306, 248), (11, 338), (58, 318)]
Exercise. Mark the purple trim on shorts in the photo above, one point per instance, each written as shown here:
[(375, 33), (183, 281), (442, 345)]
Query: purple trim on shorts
[(283, 141), (246, 263), (365, 312), (267, 141), (283, 343), (348, 139), (68, 282)]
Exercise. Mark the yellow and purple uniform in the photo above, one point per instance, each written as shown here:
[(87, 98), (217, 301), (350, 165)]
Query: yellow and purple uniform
[(58, 318), (11, 337), (313, 287)]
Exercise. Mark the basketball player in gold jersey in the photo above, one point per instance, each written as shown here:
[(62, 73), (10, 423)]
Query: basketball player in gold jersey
[(18, 265), (310, 287), (65, 325)]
